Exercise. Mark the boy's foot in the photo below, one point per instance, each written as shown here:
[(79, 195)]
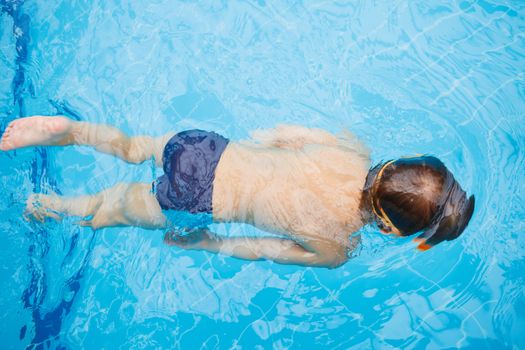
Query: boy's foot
[(34, 131), (38, 207)]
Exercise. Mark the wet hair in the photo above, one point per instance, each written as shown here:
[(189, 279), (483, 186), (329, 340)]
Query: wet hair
[(418, 194)]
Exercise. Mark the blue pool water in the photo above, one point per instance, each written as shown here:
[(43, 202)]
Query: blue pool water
[(439, 77)]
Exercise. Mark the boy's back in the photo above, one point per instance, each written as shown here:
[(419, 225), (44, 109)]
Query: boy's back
[(305, 191)]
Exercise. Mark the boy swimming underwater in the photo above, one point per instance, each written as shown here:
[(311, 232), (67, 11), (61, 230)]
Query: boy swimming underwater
[(309, 187)]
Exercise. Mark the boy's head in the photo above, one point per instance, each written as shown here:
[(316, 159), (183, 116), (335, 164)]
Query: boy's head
[(415, 194)]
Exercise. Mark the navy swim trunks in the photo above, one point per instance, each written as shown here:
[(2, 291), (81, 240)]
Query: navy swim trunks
[(190, 159)]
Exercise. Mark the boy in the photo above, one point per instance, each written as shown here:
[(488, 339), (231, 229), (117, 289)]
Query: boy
[(310, 188)]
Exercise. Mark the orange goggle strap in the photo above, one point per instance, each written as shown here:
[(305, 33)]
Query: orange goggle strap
[(422, 244)]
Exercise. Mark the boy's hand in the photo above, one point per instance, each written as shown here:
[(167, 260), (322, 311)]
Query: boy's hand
[(192, 239)]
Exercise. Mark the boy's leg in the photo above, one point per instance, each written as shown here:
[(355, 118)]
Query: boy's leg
[(62, 131), (122, 205)]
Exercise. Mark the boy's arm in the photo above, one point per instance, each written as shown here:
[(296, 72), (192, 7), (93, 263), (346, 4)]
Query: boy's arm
[(282, 251)]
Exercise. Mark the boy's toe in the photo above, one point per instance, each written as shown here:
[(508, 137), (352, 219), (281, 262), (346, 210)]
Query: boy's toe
[(5, 145), (9, 127)]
